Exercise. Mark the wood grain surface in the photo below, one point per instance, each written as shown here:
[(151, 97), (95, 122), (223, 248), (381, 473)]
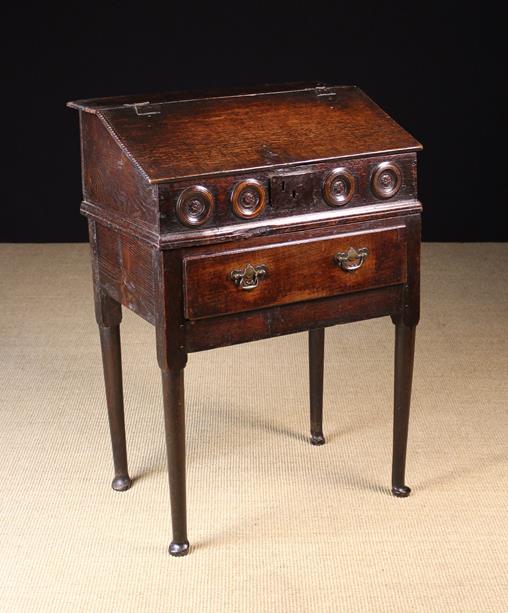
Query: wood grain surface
[(211, 136), (299, 270)]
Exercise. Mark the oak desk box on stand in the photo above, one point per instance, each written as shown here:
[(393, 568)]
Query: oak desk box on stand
[(222, 219)]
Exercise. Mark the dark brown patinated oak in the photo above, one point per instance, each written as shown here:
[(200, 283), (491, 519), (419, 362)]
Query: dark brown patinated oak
[(223, 219)]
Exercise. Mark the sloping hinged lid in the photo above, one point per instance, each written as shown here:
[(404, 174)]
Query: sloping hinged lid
[(168, 138)]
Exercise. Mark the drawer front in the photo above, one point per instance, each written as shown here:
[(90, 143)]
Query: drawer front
[(282, 273)]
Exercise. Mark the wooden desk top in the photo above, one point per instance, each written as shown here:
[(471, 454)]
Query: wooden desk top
[(171, 137)]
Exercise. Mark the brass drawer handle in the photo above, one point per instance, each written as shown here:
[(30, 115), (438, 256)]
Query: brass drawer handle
[(352, 259), (248, 277)]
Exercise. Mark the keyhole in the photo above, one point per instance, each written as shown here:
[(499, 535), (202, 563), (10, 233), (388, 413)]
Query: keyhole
[(293, 193), (283, 185)]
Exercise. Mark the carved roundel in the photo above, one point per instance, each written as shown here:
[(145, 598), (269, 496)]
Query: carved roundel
[(195, 206), (386, 180), (338, 187), (248, 198)]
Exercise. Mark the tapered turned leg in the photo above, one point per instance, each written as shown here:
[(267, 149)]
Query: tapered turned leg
[(404, 356), (316, 362), (112, 364), (174, 421)]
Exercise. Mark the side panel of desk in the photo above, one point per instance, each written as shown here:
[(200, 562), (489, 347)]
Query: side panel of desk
[(124, 269)]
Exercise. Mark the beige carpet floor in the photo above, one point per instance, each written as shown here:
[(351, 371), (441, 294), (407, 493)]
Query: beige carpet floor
[(275, 524)]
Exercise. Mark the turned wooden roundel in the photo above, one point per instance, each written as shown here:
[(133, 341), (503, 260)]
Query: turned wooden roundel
[(386, 180), (195, 206), (248, 198), (338, 187)]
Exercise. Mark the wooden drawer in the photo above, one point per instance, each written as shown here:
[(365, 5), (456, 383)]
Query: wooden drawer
[(282, 273)]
